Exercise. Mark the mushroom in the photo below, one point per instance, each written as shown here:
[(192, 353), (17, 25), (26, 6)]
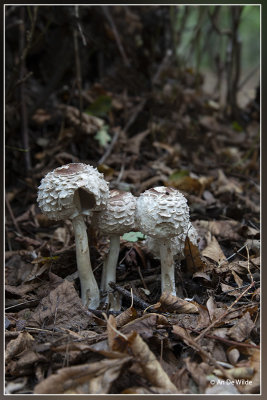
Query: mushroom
[(72, 191), (117, 219), (162, 213)]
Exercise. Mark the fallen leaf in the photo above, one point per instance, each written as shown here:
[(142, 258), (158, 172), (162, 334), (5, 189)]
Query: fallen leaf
[(126, 316), (152, 369), (16, 346), (194, 263), (241, 330), (62, 308), (145, 325), (92, 378), (214, 251), (172, 303)]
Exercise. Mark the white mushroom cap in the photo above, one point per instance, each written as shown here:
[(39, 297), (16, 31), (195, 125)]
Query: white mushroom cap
[(71, 190), (162, 213), (119, 216)]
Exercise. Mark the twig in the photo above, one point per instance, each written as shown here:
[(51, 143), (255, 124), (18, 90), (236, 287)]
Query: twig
[(24, 113), (116, 34), (15, 223), (110, 147), (79, 25), (25, 50), (78, 71), (225, 313), (136, 300), (224, 340), (139, 108), (250, 274)]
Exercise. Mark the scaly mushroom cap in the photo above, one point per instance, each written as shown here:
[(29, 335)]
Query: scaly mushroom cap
[(71, 190), (177, 243), (162, 213), (119, 216)]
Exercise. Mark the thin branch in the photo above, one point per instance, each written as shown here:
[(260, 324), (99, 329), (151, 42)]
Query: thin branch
[(116, 34)]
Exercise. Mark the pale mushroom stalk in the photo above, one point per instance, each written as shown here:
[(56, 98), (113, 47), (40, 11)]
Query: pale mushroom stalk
[(167, 268), (117, 219), (89, 289), (163, 214), (110, 264)]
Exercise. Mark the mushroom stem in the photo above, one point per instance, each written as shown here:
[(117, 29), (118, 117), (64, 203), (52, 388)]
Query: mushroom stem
[(109, 273), (89, 289), (110, 264), (167, 268)]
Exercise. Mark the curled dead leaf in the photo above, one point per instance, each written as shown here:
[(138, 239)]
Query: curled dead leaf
[(126, 316), (214, 251), (172, 303), (24, 341), (152, 369), (92, 378)]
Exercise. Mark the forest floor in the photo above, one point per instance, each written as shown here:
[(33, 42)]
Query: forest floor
[(174, 135)]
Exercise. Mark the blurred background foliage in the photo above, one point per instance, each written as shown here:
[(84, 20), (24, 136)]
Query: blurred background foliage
[(93, 57)]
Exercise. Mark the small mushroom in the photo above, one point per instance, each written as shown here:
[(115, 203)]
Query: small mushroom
[(162, 213), (72, 191), (117, 219)]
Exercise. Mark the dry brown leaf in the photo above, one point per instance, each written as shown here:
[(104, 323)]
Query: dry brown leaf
[(94, 378), (204, 318), (21, 290), (172, 303), (145, 325), (23, 366), (126, 316), (144, 390), (89, 124), (213, 250), (211, 307), (16, 346), (186, 184), (229, 290), (111, 330), (237, 279), (255, 363), (194, 263), (62, 308), (224, 229), (227, 184), (199, 372), (241, 330), (152, 369)]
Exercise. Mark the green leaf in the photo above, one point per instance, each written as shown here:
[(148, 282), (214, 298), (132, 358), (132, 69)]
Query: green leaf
[(176, 175), (102, 136), (133, 236), (100, 107), (237, 127)]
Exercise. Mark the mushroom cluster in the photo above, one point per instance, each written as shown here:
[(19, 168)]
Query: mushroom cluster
[(76, 190)]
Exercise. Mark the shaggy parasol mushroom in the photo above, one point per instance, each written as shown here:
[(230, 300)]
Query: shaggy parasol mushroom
[(162, 213), (72, 191), (117, 219)]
